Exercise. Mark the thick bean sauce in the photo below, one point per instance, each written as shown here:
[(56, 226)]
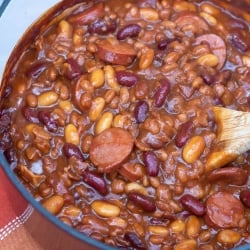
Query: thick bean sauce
[(107, 120)]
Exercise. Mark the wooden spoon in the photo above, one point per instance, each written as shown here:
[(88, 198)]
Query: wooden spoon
[(233, 137)]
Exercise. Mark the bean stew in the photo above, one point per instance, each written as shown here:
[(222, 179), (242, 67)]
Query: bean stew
[(107, 120)]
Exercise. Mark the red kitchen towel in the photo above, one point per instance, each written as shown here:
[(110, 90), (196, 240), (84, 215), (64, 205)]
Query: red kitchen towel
[(14, 213)]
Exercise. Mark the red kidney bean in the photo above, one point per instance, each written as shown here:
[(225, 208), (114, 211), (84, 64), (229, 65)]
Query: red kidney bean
[(245, 197), (183, 134), (141, 111), (130, 30), (30, 114), (126, 78), (151, 162), (161, 93), (237, 40), (70, 150), (35, 70), (96, 181), (71, 69), (144, 202), (192, 205), (102, 27), (46, 119), (134, 241), (163, 44)]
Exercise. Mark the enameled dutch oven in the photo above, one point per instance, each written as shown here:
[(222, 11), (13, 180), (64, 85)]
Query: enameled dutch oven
[(44, 227)]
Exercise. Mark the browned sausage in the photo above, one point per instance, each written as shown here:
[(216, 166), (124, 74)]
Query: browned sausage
[(115, 52), (217, 46), (110, 149), (229, 175), (132, 171), (190, 19), (223, 210), (88, 16)]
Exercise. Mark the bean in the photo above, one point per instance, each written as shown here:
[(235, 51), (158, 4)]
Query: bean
[(105, 209), (30, 114), (71, 134), (149, 14), (210, 60), (126, 78), (245, 197), (65, 29), (130, 30), (53, 204), (177, 226), (141, 111), (71, 69), (186, 245), (46, 119), (96, 181), (97, 78), (135, 187), (238, 41), (146, 59), (228, 236), (36, 69), (96, 108), (47, 98), (210, 9), (105, 122), (193, 227), (71, 150), (31, 100), (135, 241), (192, 205), (193, 149), (159, 230), (209, 18), (152, 163), (110, 78), (144, 202), (161, 93), (102, 27), (183, 134)]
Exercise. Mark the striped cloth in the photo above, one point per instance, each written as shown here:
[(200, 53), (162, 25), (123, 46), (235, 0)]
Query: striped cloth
[(15, 213)]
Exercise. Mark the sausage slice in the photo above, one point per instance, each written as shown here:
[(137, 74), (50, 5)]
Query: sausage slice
[(217, 46), (110, 149), (88, 16), (115, 52), (229, 175), (223, 210), (186, 19)]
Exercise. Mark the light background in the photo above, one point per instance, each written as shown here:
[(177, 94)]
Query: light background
[(16, 18)]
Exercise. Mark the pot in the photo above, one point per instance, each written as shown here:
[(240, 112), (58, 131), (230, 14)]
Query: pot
[(44, 226)]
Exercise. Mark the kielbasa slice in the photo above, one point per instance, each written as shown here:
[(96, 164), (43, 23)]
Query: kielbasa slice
[(223, 210), (110, 149), (115, 52), (217, 46), (190, 19), (229, 175), (88, 15)]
